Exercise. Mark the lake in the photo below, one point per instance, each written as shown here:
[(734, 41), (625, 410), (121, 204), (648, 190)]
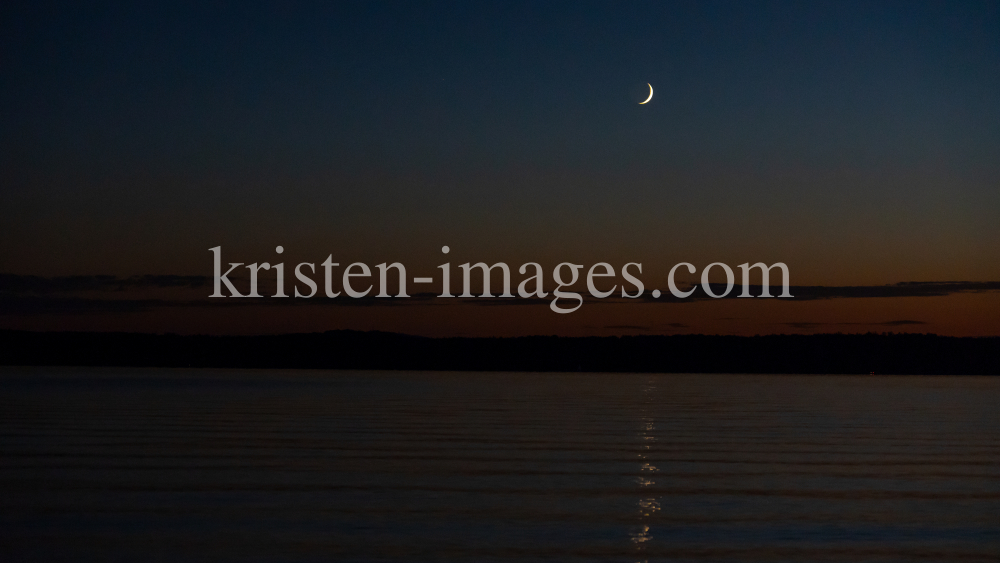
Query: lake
[(257, 465)]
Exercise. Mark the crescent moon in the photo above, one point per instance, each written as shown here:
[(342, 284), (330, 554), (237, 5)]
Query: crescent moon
[(650, 93)]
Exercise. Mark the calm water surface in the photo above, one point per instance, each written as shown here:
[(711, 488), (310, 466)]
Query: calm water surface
[(230, 465)]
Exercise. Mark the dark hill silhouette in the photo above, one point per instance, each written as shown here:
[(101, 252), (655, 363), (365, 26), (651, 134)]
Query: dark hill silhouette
[(823, 353)]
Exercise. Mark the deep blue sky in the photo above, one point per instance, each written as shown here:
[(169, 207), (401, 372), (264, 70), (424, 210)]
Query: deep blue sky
[(857, 141)]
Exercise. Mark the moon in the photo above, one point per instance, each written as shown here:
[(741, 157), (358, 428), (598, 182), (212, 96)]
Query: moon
[(650, 93)]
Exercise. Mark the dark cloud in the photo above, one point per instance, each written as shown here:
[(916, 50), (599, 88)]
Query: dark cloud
[(57, 305), (903, 289), (804, 326), (813, 292), (20, 295), (810, 325), (13, 283), (799, 293), (48, 305)]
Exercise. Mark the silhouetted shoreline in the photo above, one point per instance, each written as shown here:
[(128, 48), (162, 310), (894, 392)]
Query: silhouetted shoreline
[(916, 354)]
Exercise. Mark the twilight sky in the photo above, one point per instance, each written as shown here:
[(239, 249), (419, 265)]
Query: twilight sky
[(858, 142)]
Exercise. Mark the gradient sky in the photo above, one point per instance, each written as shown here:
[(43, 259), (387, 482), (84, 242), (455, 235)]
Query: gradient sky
[(858, 142)]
